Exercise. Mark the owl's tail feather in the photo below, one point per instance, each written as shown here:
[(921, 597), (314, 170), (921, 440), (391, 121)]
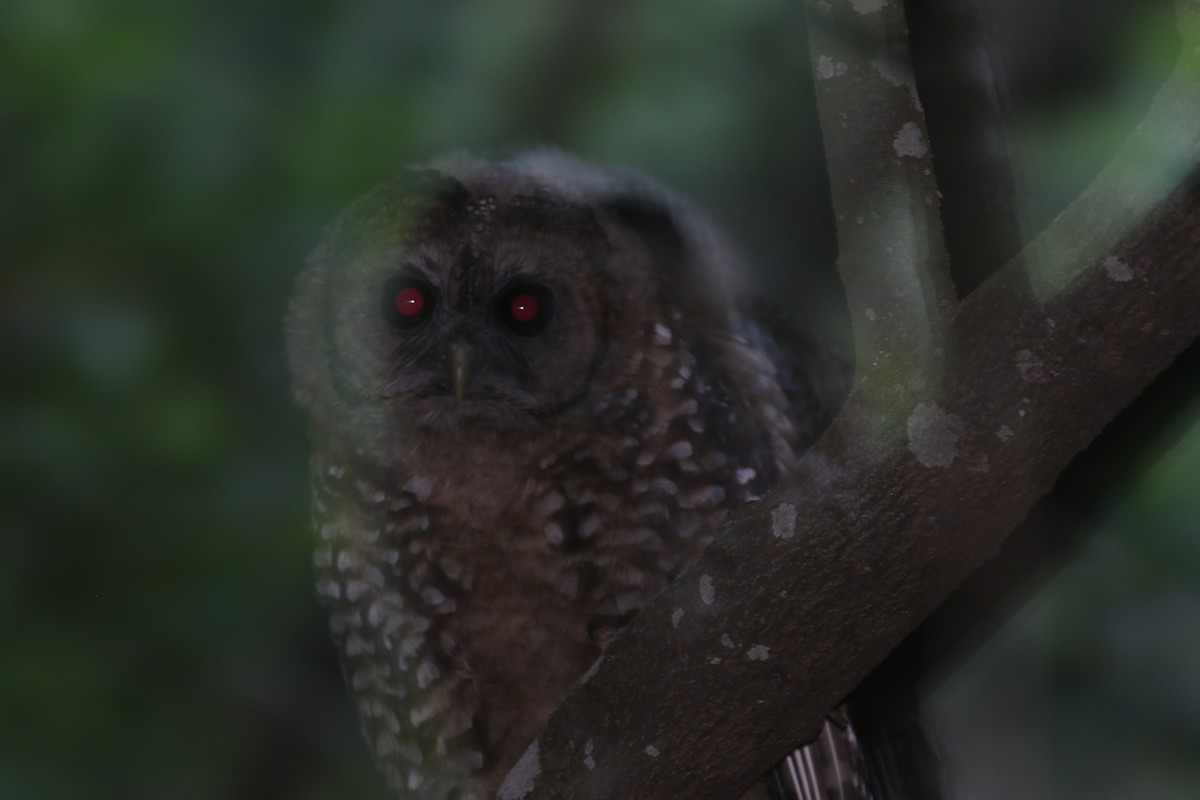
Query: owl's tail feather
[(901, 760), (830, 767), (861, 755)]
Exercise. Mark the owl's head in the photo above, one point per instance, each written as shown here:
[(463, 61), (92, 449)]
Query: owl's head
[(474, 296)]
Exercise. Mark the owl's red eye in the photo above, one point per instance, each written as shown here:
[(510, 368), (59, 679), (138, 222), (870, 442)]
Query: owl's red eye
[(407, 301), (526, 309)]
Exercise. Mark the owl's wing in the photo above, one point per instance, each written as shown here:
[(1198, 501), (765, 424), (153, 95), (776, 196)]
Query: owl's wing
[(811, 369)]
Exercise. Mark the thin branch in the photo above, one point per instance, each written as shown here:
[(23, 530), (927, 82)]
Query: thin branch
[(1140, 175), (1059, 526), (891, 254)]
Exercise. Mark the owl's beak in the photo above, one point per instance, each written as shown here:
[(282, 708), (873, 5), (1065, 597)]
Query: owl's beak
[(460, 369)]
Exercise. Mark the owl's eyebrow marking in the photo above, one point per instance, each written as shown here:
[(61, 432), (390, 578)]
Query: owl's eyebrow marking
[(510, 264), (420, 266), (424, 258), (654, 224)]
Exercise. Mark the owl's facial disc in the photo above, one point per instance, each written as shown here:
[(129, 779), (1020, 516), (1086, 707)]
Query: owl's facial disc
[(477, 338), (473, 342), (467, 304)]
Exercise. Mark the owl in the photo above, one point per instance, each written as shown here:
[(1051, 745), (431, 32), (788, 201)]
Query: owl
[(535, 392)]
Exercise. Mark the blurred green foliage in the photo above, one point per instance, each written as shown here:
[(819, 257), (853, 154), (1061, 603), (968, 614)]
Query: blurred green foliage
[(1093, 689), (166, 167)]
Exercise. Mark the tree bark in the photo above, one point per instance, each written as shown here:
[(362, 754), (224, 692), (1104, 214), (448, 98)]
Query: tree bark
[(962, 416)]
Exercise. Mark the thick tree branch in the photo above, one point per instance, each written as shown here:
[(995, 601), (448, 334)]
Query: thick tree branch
[(805, 592)]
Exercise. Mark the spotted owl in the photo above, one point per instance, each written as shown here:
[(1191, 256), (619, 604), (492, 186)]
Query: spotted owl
[(535, 392)]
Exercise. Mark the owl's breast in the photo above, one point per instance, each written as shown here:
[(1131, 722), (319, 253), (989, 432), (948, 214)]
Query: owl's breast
[(473, 584)]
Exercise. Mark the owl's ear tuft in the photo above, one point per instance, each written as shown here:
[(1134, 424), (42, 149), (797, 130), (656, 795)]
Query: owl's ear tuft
[(672, 250), (656, 227), (432, 184)]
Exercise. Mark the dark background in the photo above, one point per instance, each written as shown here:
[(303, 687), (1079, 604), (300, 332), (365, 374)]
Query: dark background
[(166, 167)]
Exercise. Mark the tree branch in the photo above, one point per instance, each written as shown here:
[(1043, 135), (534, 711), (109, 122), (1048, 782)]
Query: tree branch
[(1140, 175), (891, 255), (816, 583)]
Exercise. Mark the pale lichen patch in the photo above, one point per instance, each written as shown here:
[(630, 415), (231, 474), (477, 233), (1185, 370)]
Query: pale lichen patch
[(827, 68), (1030, 366), (868, 6), (707, 592), (1117, 269), (522, 778), (676, 616), (910, 142), (592, 670), (652, 751), (759, 652), (783, 521), (933, 435), (899, 75), (1004, 433)]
